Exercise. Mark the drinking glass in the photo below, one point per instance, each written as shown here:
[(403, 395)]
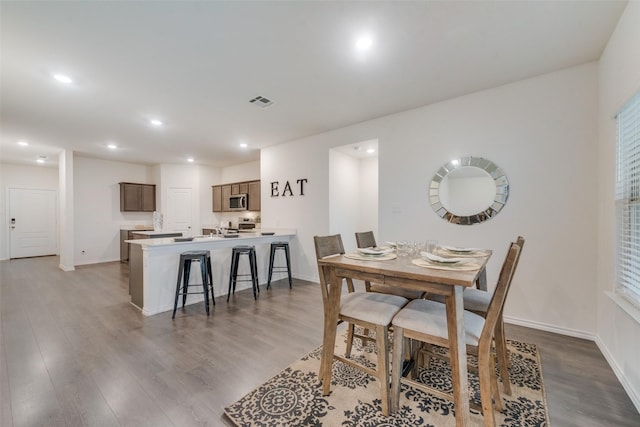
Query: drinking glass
[(432, 246), (418, 247), (402, 247)]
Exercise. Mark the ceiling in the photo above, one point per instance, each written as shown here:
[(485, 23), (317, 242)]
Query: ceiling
[(196, 65)]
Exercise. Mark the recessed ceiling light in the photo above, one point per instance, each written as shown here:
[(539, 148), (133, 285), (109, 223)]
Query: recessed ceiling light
[(112, 146), (243, 145), (156, 122), (41, 159), (371, 150), (23, 143), (190, 160), (364, 43), (62, 78)]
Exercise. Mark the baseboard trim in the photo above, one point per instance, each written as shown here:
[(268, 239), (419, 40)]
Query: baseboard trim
[(308, 279), (550, 328), (66, 267), (633, 394)]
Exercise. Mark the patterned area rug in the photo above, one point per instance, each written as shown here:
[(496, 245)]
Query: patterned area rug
[(294, 396)]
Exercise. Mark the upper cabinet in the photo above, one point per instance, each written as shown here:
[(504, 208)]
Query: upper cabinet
[(137, 197), (226, 192), (253, 192), (221, 193), (217, 198)]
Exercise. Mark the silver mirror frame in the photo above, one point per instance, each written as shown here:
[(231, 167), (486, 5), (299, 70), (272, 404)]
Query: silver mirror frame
[(500, 199)]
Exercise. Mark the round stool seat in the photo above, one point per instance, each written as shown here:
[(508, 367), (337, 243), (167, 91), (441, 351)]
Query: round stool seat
[(195, 254)]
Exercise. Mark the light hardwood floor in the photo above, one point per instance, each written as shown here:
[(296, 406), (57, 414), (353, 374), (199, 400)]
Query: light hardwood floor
[(74, 352)]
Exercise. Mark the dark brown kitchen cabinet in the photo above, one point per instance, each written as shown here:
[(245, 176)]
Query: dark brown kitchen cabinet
[(137, 197), (221, 193), (226, 192), (254, 195), (217, 198)]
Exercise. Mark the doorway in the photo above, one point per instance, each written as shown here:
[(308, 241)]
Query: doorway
[(33, 222), (353, 190), (179, 215)]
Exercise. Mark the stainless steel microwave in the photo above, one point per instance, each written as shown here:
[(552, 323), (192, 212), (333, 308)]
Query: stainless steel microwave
[(238, 202)]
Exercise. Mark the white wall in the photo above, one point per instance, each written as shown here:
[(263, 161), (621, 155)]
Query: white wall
[(243, 172), (619, 68), (368, 201), (66, 215), (97, 207), (540, 131), (21, 176)]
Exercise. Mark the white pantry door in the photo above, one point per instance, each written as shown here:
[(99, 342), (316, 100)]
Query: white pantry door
[(179, 210), (33, 222)]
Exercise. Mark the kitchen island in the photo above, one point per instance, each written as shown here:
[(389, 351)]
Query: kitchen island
[(153, 266)]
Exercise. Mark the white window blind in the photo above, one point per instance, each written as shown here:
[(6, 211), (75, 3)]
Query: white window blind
[(628, 201)]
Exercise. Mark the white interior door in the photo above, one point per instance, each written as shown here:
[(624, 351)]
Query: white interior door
[(179, 216), (33, 222)]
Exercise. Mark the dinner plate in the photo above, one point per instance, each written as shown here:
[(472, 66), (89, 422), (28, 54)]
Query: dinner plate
[(439, 259), (458, 266), (374, 251), (460, 250), (363, 257)]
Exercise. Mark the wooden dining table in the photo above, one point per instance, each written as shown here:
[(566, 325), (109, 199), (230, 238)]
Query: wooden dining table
[(401, 272)]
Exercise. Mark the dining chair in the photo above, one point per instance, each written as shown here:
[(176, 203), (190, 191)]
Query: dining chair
[(477, 301), (426, 321), (368, 310), (366, 239)]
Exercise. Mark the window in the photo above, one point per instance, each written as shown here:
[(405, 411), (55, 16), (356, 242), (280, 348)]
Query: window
[(628, 201)]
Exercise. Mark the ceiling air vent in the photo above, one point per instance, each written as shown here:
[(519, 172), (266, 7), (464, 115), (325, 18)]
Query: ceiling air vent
[(261, 102)]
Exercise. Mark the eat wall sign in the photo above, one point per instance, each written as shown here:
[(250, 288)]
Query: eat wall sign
[(287, 190)]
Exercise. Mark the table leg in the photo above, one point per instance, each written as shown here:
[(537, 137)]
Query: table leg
[(330, 322), (458, 353), (481, 281)]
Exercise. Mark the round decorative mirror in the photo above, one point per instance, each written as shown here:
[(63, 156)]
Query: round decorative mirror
[(468, 190)]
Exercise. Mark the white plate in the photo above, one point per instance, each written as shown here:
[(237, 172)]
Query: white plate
[(459, 250), (375, 251), (442, 260)]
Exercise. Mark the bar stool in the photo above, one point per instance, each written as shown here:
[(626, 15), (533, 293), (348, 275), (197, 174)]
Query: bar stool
[(275, 246), (250, 251), (186, 258)]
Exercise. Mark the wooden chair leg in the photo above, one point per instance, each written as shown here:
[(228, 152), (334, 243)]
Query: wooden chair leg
[(382, 343), (350, 329), (503, 356), (494, 386), (396, 368), (484, 367)]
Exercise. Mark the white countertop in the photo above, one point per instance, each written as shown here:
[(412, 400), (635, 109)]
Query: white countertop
[(155, 233), (169, 241), (136, 227)]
